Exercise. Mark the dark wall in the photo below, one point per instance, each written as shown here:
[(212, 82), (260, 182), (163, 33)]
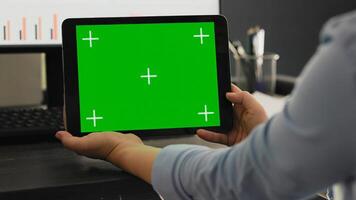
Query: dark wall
[(292, 27)]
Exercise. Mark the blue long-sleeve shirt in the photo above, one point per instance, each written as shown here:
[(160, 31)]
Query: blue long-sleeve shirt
[(310, 145)]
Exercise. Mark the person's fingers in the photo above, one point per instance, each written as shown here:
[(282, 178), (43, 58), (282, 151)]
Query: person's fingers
[(211, 136), (62, 134), (234, 88), (234, 97), (243, 98), (70, 142)]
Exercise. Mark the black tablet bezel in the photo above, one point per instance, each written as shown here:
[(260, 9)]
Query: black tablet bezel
[(70, 65)]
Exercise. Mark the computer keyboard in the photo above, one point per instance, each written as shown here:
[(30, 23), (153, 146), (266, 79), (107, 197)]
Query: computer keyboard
[(20, 121)]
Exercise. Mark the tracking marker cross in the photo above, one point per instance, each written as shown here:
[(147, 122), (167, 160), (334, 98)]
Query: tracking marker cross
[(90, 39), (148, 76), (201, 36), (206, 113), (94, 118)]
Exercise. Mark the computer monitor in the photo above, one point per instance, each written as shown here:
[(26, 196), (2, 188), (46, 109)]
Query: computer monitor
[(37, 22), (34, 26)]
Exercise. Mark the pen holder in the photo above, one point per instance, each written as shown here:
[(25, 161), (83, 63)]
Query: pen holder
[(253, 73)]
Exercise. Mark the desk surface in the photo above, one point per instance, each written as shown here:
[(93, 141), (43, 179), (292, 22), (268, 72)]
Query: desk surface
[(48, 165)]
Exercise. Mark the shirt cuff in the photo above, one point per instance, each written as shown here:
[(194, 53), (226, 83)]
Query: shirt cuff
[(166, 168)]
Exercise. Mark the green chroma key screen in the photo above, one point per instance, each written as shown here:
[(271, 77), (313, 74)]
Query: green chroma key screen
[(147, 76)]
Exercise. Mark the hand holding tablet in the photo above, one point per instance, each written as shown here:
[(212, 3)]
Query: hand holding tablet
[(146, 74)]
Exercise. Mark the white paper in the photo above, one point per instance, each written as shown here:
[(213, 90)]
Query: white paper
[(272, 104)]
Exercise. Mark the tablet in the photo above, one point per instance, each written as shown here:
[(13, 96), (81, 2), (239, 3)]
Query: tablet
[(146, 75)]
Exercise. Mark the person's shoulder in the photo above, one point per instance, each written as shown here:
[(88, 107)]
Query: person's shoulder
[(341, 27), (341, 31)]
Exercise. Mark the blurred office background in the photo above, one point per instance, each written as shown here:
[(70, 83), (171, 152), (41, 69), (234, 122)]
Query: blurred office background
[(292, 27)]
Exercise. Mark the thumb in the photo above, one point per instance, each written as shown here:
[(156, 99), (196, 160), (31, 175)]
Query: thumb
[(212, 136), (70, 142)]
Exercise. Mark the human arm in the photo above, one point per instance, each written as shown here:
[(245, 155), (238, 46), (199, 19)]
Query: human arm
[(126, 151), (285, 158), (289, 156)]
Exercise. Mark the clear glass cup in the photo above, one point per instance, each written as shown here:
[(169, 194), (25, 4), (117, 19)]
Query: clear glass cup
[(256, 73)]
